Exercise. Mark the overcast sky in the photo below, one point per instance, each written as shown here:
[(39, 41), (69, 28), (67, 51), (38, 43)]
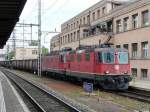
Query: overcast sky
[(54, 13)]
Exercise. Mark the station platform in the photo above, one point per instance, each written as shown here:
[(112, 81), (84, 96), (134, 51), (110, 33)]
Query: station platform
[(141, 84), (10, 101)]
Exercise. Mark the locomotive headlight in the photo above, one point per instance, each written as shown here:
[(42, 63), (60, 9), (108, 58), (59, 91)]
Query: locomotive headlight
[(126, 72), (107, 72), (117, 67)]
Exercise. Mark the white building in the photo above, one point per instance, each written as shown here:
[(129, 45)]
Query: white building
[(30, 52)]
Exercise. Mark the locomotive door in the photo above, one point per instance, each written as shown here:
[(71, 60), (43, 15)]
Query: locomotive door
[(97, 61), (65, 62)]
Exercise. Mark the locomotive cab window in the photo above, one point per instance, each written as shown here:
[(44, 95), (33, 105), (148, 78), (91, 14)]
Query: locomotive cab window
[(72, 58), (61, 58), (108, 58), (87, 56), (79, 57), (100, 57)]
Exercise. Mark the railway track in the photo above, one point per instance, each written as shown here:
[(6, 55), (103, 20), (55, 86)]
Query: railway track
[(137, 94), (42, 100)]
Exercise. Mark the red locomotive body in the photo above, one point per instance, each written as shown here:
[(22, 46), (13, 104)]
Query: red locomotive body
[(106, 66)]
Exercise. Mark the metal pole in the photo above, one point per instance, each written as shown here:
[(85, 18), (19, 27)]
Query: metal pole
[(14, 43), (23, 40), (8, 52), (39, 38), (31, 32)]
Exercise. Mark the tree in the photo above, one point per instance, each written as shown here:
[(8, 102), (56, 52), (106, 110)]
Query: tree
[(33, 43), (10, 55), (44, 51)]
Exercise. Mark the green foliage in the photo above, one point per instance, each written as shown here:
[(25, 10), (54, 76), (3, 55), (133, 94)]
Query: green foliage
[(44, 51), (34, 43), (10, 55)]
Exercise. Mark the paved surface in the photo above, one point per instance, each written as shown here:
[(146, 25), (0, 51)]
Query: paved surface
[(10, 101), (141, 84)]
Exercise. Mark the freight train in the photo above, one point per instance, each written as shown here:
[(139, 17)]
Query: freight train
[(108, 67)]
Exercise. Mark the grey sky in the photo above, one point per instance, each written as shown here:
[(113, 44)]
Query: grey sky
[(54, 13)]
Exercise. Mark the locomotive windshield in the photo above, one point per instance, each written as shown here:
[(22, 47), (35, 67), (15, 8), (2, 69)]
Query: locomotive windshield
[(106, 57), (109, 58), (123, 57)]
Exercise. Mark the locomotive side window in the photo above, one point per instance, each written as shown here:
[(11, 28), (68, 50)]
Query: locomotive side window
[(72, 58), (109, 58), (65, 58), (61, 58), (87, 56), (79, 57), (100, 57)]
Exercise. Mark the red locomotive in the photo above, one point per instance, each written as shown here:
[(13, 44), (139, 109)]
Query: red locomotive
[(109, 67)]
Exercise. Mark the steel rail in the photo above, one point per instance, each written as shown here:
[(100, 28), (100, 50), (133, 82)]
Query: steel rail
[(13, 77)]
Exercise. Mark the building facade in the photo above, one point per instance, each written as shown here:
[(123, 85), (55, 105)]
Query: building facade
[(26, 53), (125, 24)]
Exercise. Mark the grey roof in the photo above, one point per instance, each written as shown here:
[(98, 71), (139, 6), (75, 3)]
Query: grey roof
[(10, 11)]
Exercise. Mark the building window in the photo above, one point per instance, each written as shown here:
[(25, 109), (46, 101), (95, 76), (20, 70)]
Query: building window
[(71, 37), (134, 50), (68, 38), (71, 26), (85, 33), (93, 16), (77, 23), (126, 46), (144, 49), (104, 10), (134, 72), (34, 52), (74, 36), (74, 25), (125, 24), (63, 40), (144, 73), (84, 20), (145, 18), (118, 23), (80, 21), (88, 19), (78, 34), (118, 46), (98, 14), (135, 21)]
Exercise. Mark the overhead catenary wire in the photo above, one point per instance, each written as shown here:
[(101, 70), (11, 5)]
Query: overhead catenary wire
[(58, 9), (32, 12), (50, 7)]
